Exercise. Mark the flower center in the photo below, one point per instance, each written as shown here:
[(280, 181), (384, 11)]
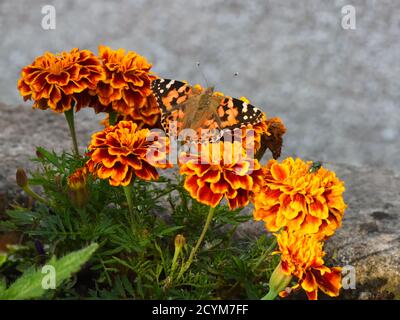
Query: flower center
[(56, 67)]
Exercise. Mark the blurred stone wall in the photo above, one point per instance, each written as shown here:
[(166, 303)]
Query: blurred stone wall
[(336, 90)]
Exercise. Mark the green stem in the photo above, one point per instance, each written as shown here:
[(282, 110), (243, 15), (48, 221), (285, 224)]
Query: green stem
[(69, 115), (266, 254), (271, 295), (128, 195), (34, 195), (199, 241), (174, 262)]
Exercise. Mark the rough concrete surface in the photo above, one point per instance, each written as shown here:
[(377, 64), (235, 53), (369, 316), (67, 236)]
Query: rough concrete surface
[(369, 239), (336, 90)]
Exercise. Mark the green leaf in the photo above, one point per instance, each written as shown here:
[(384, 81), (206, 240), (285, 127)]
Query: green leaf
[(3, 258), (29, 285), (50, 157), (2, 285)]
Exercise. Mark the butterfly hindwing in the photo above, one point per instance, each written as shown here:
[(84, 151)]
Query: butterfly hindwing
[(234, 113)]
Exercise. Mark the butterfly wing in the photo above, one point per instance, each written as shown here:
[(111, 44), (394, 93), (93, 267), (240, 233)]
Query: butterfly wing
[(170, 96), (226, 113), (234, 113)]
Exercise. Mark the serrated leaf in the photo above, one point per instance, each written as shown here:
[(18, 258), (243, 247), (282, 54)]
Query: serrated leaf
[(29, 285)]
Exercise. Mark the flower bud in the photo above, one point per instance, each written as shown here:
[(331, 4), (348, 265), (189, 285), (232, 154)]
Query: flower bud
[(180, 241), (22, 178), (39, 154), (77, 187), (58, 182), (279, 281)]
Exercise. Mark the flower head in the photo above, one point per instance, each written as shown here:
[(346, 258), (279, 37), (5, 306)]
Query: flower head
[(266, 134), (147, 112), (220, 170), (126, 87), (120, 152), (55, 81), (302, 257), (292, 197), (78, 179)]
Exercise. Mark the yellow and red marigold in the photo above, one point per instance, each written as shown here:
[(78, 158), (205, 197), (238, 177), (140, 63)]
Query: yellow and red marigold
[(121, 152), (148, 111), (56, 80), (266, 134), (302, 257), (126, 87), (292, 197), (78, 179), (220, 170)]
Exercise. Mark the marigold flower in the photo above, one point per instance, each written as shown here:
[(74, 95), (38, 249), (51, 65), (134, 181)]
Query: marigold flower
[(56, 80), (220, 170), (302, 256), (77, 187), (138, 120), (120, 152), (266, 134), (126, 87), (294, 198), (78, 179)]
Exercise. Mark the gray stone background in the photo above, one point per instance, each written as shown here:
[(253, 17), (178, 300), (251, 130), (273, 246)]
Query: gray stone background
[(336, 90)]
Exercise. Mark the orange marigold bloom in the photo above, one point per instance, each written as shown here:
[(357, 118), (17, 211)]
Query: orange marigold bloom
[(220, 170), (295, 198), (77, 180), (149, 123), (56, 80), (120, 152), (126, 87), (302, 257), (267, 134)]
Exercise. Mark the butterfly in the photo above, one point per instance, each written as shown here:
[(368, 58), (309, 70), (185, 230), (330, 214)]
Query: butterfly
[(184, 106)]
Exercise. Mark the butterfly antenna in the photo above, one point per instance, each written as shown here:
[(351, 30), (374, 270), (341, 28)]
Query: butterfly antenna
[(202, 73)]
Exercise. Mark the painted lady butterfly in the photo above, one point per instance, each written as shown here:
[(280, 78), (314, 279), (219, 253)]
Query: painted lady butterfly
[(196, 108)]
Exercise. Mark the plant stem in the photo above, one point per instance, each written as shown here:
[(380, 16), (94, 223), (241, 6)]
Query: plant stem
[(128, 195), (271, 295), (199, 241), (266, 254), (174, 262), (34, 195), (69, 115)]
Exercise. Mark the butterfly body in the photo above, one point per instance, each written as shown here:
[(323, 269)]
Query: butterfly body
[(196, 108)]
